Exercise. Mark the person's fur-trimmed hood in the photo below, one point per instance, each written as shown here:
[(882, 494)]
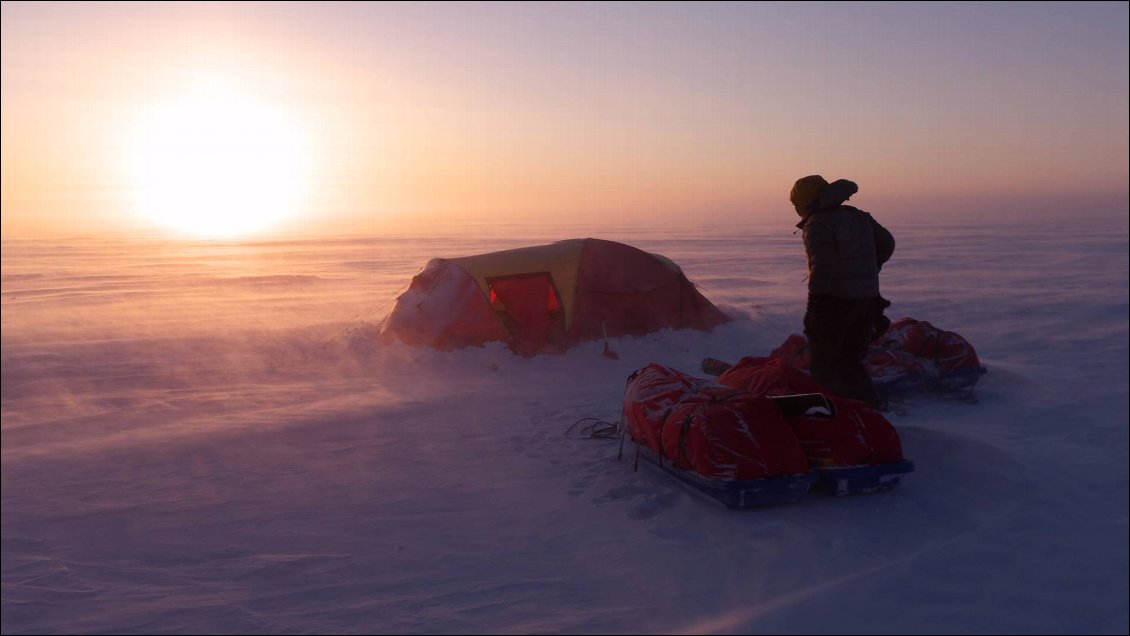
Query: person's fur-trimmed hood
[(828, 197)]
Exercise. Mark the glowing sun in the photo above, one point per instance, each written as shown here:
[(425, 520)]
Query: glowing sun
[(220, 162)]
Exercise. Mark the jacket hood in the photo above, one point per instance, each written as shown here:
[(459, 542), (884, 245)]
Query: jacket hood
[(830, 196)]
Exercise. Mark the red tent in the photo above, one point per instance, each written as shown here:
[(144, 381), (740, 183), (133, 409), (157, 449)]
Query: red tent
[(547, 298)]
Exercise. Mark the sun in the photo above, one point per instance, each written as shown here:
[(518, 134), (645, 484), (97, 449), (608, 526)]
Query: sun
[(218, 161)]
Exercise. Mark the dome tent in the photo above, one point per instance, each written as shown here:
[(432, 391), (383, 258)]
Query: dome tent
[(547, 298)]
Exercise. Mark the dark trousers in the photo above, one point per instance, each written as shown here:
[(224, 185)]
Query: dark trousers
[(839, 331)]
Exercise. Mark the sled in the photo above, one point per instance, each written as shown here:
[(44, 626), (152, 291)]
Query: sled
[(854, 480), (737, 494)]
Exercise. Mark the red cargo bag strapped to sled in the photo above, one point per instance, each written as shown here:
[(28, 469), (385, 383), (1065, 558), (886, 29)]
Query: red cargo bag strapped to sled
[(914, 354), (852, 447), (911, 356), (730, 444)]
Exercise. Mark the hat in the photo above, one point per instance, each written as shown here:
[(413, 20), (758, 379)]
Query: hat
[(805, 191)]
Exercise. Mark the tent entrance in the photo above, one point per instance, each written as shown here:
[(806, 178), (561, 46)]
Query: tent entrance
[(530, 307)]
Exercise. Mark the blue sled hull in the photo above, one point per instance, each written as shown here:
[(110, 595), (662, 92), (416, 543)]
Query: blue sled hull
[(750, 493), (863, 479), (910, 383), (755, 493)]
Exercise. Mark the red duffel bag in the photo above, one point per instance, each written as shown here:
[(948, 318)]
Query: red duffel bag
[(717, 432), (852, 434)]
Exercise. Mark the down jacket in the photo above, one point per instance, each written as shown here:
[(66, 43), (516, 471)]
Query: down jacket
[(845, 246)]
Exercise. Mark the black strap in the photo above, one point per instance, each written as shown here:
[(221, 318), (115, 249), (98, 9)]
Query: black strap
[(659, 435), (683, 430)]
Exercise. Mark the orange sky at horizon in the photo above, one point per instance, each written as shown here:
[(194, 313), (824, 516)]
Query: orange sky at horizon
[(531, 112)]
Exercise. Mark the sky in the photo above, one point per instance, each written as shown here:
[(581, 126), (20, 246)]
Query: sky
[(338, 117)]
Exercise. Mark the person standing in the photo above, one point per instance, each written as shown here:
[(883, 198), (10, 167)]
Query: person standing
[(846, 248)]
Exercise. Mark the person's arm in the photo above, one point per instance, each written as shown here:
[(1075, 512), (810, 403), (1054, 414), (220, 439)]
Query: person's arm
[(884, 242)]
